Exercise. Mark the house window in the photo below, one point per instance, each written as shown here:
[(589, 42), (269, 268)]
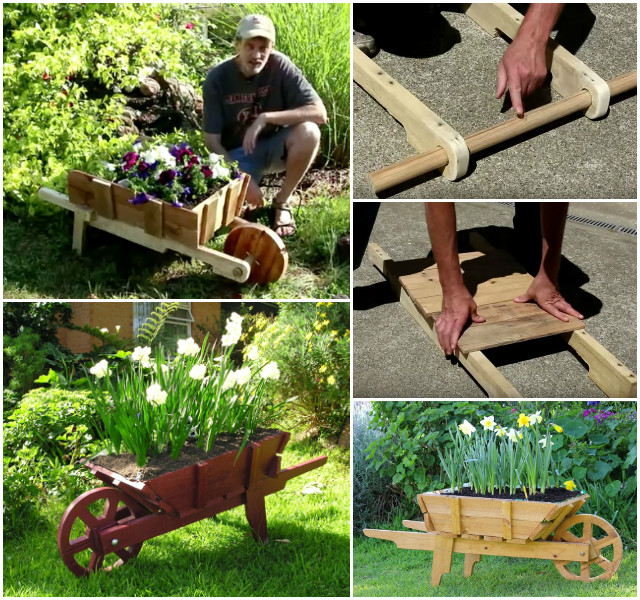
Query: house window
[(176, 327)]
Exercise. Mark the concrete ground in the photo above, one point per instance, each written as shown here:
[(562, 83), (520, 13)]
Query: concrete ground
[(579, 159), (394, 358)]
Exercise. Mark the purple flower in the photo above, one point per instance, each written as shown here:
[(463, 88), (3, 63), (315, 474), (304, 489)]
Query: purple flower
[(193, 160), (178, 204), (586, 413), (130, 159), (144, 170), (593, 402), (187, 191), (179, 152), (139, 198), (167, 176), (206, 171)]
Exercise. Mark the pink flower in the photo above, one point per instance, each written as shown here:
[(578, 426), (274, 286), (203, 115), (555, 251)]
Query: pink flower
[(513, 410), (189, 25)]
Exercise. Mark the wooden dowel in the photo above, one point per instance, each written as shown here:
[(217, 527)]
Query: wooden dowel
[(481, 140)]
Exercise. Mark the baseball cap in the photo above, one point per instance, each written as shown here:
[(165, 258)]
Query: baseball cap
[(256, 26)]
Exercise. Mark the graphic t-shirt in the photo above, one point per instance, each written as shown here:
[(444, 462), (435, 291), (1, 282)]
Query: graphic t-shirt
[(232, 101)]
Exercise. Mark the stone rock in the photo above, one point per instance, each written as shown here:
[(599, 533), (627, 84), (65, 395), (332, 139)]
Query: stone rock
[(150, 87)]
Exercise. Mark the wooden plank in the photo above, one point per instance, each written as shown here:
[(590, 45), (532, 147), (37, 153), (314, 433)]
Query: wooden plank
[(506, 520), (441, 558), (455, 516), (415, 540), (469, 561), (418, 525), (425, 129), (153, 219), (103, 202), (605, 370)]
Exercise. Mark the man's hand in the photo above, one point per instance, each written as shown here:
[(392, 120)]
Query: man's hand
[(546, 295), (522, 70), (251, 135), (457, 308)]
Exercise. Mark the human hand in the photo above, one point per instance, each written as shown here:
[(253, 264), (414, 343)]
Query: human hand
[(545, 294), (522, 70), (251, 135), (457, 308)]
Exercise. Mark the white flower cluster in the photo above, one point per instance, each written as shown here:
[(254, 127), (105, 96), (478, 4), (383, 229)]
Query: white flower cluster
[(198, 372), (188, 347), (233, 330), (156, 395), (142, 355), (239, 377), (100, 369), (270, 371), (159, 154)]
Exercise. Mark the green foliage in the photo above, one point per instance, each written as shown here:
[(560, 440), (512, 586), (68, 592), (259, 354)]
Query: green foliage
[(24, 360), (44, 437), (374, 500), (316, 36), (65, 66), (42, 318), (151, 328), (311, 344)]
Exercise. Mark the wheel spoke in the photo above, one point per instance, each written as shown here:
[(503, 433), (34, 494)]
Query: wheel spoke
[(570, 537), (85, 515), (124, 554), (110, 509), (604, 542), (585, 571), (84, 542), (605, 563), (587, 531), (96, 561)]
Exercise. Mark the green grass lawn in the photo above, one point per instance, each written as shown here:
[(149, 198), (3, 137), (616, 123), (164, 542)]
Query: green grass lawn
[(39, 262), (308, 552), (381, 569)]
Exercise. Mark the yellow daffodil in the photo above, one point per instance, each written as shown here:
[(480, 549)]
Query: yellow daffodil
[(557, 428), (334, 333), (331, 380), (322, 369), (466, 428), (570, 485), (523, 420), (308, 336), (488, 423)]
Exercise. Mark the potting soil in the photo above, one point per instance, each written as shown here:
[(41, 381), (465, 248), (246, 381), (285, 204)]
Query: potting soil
[(550, 495), (127, 465)]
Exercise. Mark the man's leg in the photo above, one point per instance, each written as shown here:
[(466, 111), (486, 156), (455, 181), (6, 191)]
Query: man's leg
[(301, 145)]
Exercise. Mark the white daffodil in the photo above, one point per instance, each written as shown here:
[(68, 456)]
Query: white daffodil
[(198, 372), (188, 347), (243, 375), (104, 330), (536, 418), (141, 354), (543, 441), (488, 423), (270, 371), (252, 352), (500, 431), (513, 435), (100, 369), (229, 380), (233, 330), (466, 428), (156, 395)]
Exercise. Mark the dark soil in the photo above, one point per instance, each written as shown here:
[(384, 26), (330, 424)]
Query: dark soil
[(550, 495), (127, 466)]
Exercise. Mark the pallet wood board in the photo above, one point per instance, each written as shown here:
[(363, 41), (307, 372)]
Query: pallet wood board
[(494, 280)]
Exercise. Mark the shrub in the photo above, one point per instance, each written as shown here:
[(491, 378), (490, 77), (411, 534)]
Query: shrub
[(311, 343), (46, 435), (65, 66), (24, 360), (374, 500)]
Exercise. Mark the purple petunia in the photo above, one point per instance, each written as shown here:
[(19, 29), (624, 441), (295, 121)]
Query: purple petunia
[(206, 171), (178, 204), (130, 159), (167, 176), (139, 198)]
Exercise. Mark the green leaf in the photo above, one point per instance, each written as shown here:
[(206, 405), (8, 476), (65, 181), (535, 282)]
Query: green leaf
[(579, 472), (573, 427), (631, 457), (599, 471), (613, 488), (597, 439)]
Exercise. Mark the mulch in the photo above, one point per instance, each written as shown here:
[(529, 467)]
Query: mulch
[(127, 465), (550, 495)]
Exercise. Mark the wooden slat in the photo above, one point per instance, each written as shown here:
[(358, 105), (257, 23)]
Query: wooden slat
[(455, 516), (103, 200), (506, 520)]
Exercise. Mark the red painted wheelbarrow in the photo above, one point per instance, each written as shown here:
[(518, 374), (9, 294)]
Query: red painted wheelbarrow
[(106, 527)]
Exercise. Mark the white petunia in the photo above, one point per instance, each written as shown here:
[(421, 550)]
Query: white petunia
[(198, 372), (270, 371), (100, 369), (156, 395), (188, 347), (218, 171), (215, 158), (243, 375)]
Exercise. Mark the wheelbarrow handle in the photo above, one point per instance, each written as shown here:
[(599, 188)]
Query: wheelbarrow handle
[(302, 467)]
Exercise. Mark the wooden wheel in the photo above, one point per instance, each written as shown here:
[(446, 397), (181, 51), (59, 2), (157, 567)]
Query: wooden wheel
[(262, 248), (607, 547), (78, 540)]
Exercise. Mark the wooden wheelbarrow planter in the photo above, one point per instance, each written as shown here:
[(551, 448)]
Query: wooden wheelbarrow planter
[(515, 528), (440, 146), (110, 524), (252, 252), (497, 279)]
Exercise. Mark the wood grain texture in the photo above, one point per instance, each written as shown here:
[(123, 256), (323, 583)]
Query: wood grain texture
[(494, 279)]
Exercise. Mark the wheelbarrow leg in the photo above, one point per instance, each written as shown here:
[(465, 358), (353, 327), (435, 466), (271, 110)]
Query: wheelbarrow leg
[(469, 561), (256, 513), (441, 559), (80, 221)]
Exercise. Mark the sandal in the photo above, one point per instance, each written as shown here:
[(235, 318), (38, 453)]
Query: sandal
[(275, 226)]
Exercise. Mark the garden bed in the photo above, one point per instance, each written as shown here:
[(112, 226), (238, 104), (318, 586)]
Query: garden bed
[(127, 466), (550, 495)]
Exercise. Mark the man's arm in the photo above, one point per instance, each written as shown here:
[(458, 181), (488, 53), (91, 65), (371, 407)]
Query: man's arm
[(214, 144), (316, 113), (544, 288), (457, 303), (523, 67)]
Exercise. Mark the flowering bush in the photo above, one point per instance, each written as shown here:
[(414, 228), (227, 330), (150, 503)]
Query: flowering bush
[(155, 404), (176, 175), (495, 458)]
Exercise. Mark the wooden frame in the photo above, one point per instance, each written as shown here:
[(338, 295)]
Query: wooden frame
[(608, 373), (439, 145)]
